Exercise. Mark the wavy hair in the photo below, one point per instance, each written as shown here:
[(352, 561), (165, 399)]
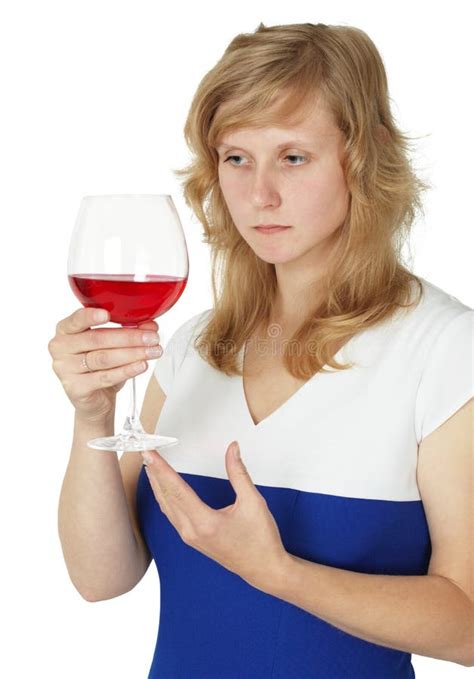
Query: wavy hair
[(367, 280)]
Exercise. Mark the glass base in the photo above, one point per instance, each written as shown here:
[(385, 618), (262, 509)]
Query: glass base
[(132, 442)]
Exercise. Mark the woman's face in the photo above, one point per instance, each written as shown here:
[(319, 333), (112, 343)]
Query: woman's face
[(291, 176)]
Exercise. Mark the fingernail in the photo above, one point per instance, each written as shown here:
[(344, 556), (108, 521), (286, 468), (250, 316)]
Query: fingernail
[(101, 316), (236, 451), (153, 352), (151, 338), (147, 457)]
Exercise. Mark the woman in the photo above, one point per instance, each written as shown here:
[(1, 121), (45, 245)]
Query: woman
[(337, 546)]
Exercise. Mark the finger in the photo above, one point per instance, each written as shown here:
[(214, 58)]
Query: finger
[(86, 383), (175, 491), (155, 486), (107, 359), (85, 318), (79, 320), (99, 339), (149, 325), (172, 510)]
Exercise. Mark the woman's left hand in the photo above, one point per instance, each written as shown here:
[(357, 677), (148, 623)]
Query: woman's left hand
[(242, 537)]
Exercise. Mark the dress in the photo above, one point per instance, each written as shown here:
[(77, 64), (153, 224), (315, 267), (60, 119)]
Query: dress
[(336, 464)]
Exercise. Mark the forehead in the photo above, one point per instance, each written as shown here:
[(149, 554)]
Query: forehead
[(313, 124)]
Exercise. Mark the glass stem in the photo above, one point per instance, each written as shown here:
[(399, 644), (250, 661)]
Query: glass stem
[(132, 424)]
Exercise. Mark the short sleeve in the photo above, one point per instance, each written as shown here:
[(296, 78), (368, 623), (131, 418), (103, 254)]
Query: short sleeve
[(174, 352), (447, 379)]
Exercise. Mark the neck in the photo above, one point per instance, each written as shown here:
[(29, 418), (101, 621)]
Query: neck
[(297, 296), (301, 283)]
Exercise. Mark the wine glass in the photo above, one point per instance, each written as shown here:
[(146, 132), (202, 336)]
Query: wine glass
[(128, 255)]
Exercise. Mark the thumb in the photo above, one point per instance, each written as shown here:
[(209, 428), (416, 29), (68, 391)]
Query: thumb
[(235, 451), (237, 471)]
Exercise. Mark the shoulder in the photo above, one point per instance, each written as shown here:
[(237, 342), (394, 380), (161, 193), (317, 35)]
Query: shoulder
[(438, 348), (437, 310), (423, 353), (405, 340), (439, 301)]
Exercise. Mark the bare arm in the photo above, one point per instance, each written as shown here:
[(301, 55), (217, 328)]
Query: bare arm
[(104, 553)]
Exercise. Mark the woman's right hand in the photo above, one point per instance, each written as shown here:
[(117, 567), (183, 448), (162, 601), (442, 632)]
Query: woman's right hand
[(113, 356)]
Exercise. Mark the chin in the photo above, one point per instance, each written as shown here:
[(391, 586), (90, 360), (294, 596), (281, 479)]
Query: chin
[(275, 257)]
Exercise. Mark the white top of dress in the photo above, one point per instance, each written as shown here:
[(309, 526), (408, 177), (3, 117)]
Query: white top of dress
[(352, 433)]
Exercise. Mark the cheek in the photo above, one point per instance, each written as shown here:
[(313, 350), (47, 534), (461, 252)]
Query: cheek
[(323, 199), (233, 195), (231, 187)]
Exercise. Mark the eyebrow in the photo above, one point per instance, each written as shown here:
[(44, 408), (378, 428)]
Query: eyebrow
[(290, 142)]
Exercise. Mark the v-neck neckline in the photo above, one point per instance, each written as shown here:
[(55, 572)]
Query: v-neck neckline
[(290, 400)]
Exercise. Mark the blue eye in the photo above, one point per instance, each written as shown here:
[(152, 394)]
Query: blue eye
[(288, 156), (230, 158), (293, 156)]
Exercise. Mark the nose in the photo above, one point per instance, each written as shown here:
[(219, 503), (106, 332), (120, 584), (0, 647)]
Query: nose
[(264, 189)]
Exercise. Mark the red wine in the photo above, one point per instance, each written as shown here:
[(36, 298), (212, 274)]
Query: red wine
[(128, 301)]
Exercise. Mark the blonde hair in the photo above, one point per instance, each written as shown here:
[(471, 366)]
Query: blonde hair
[(368, 280)]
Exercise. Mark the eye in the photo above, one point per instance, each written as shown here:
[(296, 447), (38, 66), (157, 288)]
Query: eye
[(231, 158), (239, 165), (293, 156)]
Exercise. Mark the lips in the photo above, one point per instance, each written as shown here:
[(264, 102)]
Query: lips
[(271, 229)]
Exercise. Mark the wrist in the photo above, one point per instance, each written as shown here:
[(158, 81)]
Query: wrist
[(276, 577), (283, 574), (100, 425)]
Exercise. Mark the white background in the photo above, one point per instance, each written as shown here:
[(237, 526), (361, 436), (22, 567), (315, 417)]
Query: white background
[(95, 96)]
